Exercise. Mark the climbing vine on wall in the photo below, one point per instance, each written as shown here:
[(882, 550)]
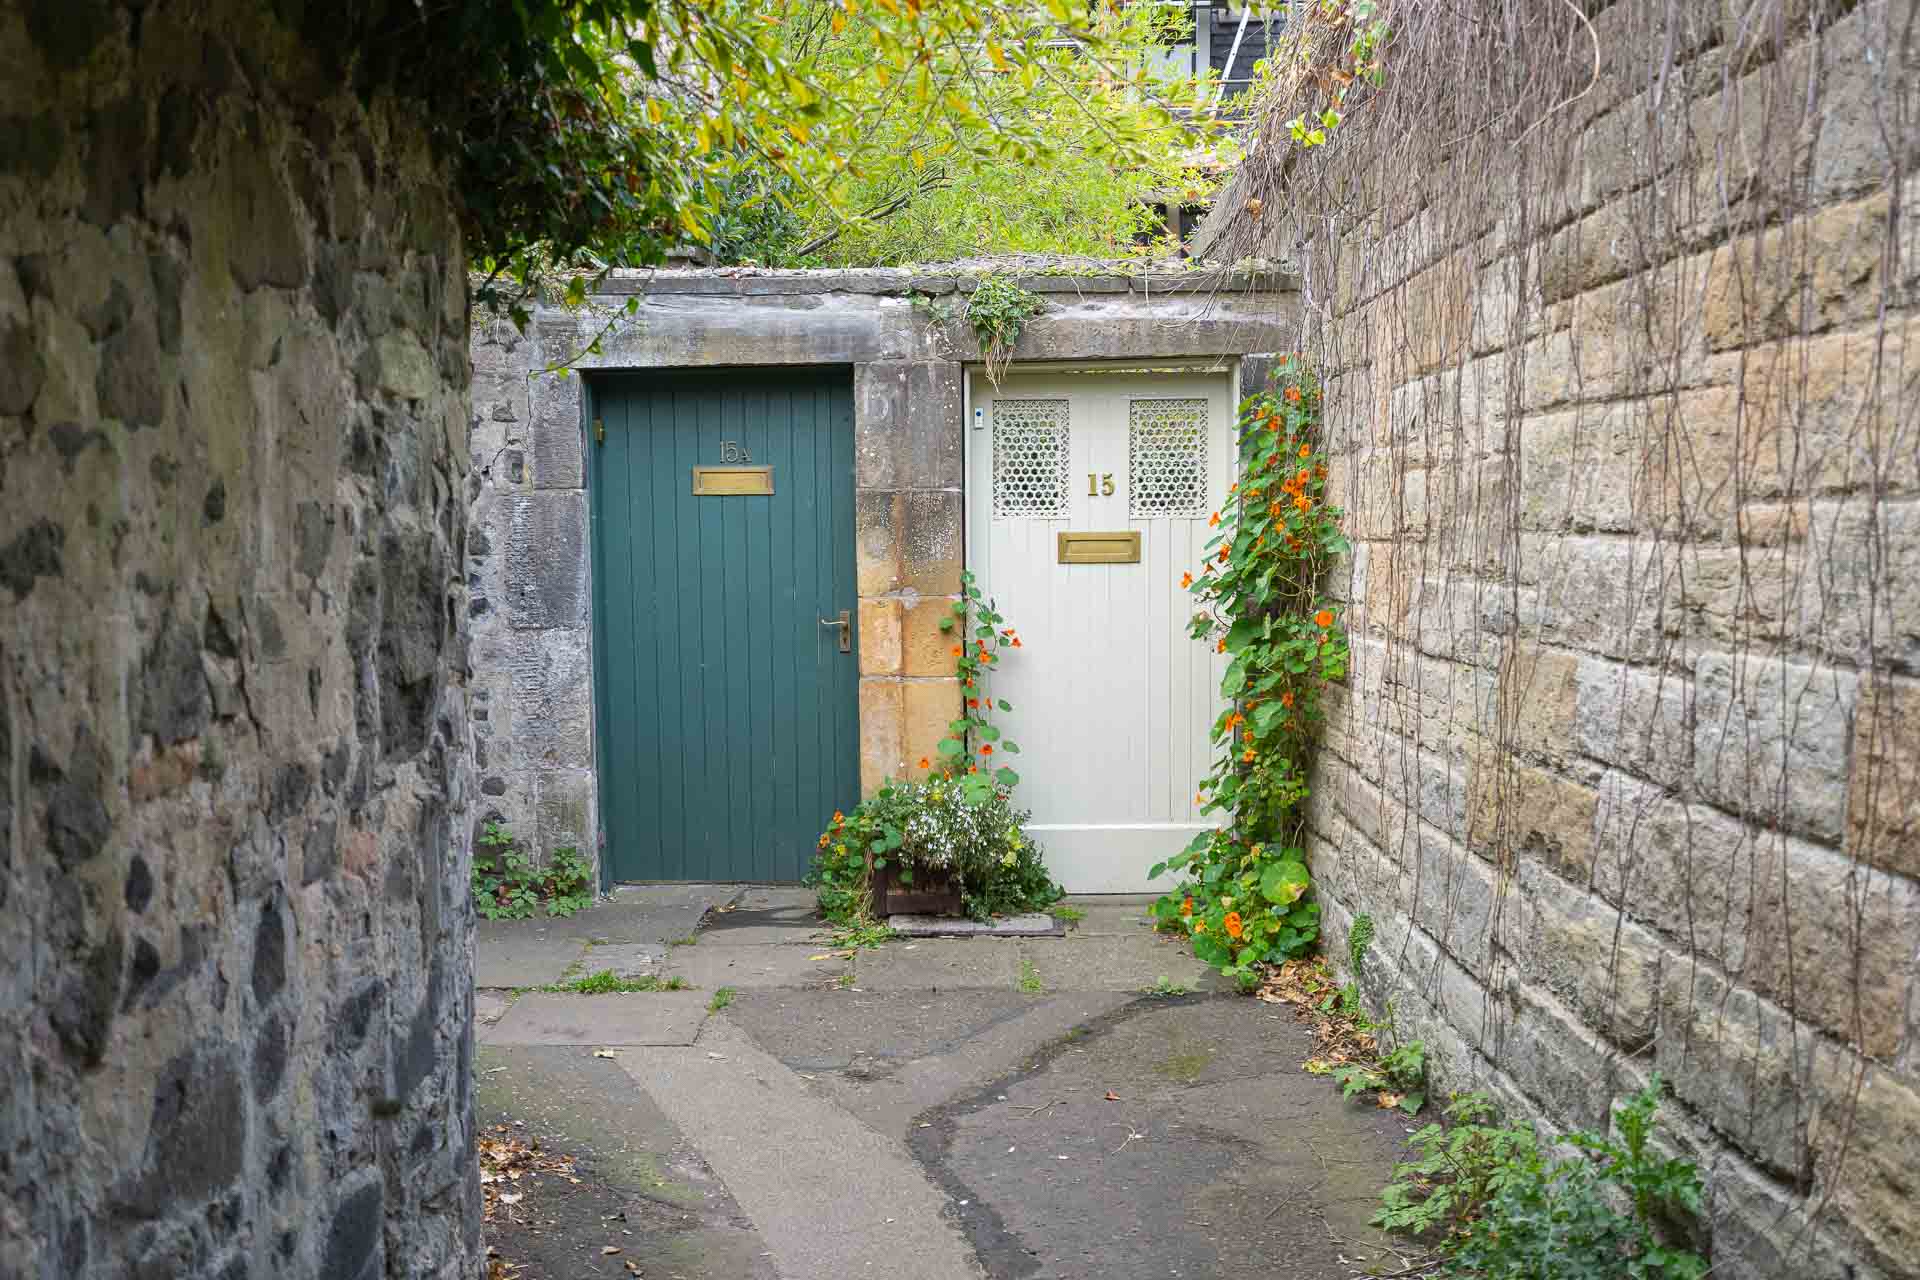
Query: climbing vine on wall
[(1245, 898)]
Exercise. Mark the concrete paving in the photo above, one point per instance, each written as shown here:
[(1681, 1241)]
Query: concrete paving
[(831, 1197), (642, 1188), (939, 964), (853, 1117), (645, 1017)]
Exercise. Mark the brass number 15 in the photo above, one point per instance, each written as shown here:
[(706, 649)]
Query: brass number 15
[(1099, 485)]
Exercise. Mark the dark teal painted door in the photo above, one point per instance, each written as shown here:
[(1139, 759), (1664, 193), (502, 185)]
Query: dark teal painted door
[(727, 711)]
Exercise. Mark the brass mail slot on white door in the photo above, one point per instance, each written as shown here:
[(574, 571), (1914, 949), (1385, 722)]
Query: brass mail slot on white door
[(732, 482), (1100, 548)]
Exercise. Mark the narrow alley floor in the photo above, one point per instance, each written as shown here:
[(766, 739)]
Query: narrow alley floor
[(935, 1108)]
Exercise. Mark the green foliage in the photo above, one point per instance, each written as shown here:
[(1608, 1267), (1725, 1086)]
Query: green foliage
[(508, 886), (1054, 155), (859, 935), (1163, 986), (1400, 1075), (1245, 896), (997, 310), (1067, 915), (721, 999), (1506, 1211), (598, 133), (607, 982)]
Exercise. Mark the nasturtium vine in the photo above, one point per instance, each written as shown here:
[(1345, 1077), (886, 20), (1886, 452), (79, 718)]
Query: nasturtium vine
[(1246, 894)]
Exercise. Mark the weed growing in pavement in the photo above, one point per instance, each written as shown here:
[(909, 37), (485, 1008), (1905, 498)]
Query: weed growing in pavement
[(688, 940), (607, 982), (858, 935), (721, 999), (1399, 1077), (1065, 914), (1030, 978), (1164, 986)]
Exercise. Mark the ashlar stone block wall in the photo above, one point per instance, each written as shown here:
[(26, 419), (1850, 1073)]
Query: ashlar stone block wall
[(1627, 774), (528, 564), (235, 992)]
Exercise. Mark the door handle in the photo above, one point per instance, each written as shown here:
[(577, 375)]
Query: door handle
[(845, 623)]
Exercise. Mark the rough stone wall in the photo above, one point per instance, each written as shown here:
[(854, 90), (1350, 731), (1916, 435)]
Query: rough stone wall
[(528, 565), (235, 1005), (1628, 772)]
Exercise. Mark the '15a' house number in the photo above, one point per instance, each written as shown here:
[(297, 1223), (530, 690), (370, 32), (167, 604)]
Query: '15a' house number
[(734, 451)]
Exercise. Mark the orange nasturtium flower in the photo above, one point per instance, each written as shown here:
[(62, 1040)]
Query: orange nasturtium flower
[(1213, 520), (1186, 908), (1286, 699), (1293, 394), (1222, 646), (1247, 755), (1234, 487), (925, 763), (956, 650), (1223, 554), (1306, 451), (1234, 927), (986, 749), (1186, 580), (1323, 619)]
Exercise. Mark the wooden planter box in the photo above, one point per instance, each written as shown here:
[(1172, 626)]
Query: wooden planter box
[(932, 893)]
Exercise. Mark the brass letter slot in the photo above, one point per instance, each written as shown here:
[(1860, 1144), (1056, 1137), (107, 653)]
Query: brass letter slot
[(732, 482), (1100, 548)]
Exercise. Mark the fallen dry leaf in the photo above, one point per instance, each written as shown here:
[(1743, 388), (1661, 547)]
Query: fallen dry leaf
[(1388, 1101), (1112, 1096), (610, 1249), (602, 1053)]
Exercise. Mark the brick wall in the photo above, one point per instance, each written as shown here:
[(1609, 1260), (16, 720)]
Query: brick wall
[(1627, 421)]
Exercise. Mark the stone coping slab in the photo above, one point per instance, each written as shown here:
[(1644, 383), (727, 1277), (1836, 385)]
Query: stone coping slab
[(1117, 277), (1037, 925), (641, 1018)]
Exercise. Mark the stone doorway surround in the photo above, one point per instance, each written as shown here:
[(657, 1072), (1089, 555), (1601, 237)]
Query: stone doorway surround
[(897, 331)]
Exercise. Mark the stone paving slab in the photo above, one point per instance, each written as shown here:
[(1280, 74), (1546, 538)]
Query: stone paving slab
[(626, 959), (489, 1006), (643, 1018), (519, 953), (775, 965), (1112, 914), (1027, 926), (766, 916), (1129, 962), (939, 963)]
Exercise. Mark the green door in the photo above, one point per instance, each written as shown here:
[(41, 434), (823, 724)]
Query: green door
[(726, 698)]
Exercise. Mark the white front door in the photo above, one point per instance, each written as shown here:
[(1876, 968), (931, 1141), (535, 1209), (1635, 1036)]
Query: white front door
[(1112, 700)]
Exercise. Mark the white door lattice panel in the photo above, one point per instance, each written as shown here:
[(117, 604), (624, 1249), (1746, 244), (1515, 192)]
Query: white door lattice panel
[(1031, 440), (1112, 701), (1167, 457)]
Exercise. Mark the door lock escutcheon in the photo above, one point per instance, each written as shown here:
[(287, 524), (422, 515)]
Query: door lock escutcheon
[(845, 623)]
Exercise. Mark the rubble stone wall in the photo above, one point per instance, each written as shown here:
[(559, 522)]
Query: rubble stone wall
[(235, 932)]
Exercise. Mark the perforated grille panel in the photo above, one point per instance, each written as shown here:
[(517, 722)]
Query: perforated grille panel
[(1167, 458), (1029, 457)]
